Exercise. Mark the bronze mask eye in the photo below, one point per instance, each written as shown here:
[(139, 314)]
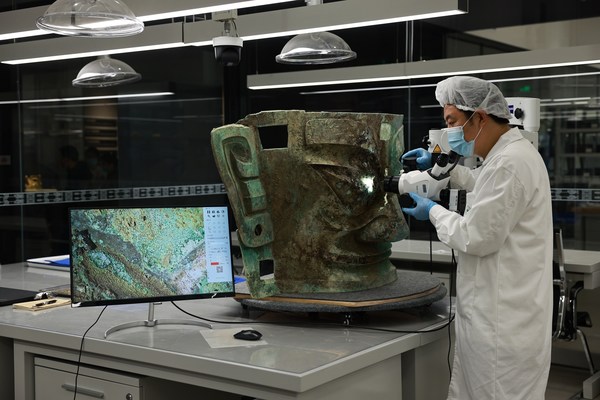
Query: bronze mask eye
[(356, 189)]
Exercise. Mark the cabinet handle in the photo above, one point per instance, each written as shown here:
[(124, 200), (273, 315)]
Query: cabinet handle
[(82, 390)]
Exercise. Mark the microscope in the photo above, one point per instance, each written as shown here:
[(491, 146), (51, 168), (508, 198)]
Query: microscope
[(433, 183)]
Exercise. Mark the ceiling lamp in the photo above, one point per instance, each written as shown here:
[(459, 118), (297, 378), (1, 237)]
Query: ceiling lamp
[(105, 71), (93, 18), (315, 48)]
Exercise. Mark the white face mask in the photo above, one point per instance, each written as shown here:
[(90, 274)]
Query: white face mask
[(457, 142)]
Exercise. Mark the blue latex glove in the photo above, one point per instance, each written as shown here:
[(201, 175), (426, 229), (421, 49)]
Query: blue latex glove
[(423, 158), (421, 210)]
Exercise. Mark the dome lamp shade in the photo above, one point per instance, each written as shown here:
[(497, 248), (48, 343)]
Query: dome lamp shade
[(105, 71), (315, 48), (92, 18)]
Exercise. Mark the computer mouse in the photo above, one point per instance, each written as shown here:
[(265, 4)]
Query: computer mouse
[(248, 334)]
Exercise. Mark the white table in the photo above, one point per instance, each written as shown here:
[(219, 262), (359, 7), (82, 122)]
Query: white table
[(303, 360), (580, 264)]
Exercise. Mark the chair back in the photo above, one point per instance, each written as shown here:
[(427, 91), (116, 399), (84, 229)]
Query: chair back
[(561, 295)]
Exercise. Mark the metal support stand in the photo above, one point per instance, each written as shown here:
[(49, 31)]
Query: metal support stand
[(151, 322)]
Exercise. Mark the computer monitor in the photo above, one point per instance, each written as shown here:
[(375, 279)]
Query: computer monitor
[(134, 255)]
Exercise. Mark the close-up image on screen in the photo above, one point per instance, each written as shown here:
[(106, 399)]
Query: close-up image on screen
[(127, 255)]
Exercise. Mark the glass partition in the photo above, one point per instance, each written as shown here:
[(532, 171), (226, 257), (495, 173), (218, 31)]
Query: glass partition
[(149, 141), (134, 144)]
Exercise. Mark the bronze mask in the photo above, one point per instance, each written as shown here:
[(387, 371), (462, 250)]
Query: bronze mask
[(315, 209)]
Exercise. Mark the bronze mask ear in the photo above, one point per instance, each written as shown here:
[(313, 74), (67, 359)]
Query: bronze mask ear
[(235, 148)]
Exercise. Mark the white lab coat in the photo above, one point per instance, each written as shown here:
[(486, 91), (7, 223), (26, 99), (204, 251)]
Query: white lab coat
[(504, 278)]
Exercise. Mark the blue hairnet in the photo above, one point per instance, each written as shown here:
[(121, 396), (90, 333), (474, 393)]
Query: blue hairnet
[(469, 94)]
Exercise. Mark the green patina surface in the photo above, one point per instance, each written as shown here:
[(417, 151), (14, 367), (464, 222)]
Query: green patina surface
[(316, 208)]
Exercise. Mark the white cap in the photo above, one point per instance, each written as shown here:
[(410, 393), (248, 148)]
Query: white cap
[(469, 94)]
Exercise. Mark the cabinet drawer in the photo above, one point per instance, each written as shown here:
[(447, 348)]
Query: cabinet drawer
[(56, 380)]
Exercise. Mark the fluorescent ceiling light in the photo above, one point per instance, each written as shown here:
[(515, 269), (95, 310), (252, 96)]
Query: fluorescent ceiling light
[(79, 117), (528, 78), (330, 76), (152, 38), (167, 9), (566, 103), (344, 14), (21, 23), (87, 98), (92, 53), (415, 86), (533, 59), (349, 25), (369, 89), (144, 98), (24, 34), (573, 99)]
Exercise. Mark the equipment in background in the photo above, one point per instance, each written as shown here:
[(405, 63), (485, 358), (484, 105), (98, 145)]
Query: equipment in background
[(525, 113), (437, 142), (432, 183)]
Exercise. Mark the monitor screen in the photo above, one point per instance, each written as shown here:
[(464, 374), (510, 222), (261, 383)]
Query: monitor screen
[(135, 255)]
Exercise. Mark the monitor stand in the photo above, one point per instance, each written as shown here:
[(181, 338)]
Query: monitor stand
[(150, 322)]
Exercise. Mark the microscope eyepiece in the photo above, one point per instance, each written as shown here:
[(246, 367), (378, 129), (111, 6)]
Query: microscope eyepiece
[(409, 164), (390, 183)]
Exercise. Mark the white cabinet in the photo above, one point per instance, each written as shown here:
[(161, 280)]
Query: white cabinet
[(56, 380)]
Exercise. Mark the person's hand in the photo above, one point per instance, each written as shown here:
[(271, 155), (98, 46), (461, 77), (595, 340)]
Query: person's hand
[(423, 158), (421, 210)]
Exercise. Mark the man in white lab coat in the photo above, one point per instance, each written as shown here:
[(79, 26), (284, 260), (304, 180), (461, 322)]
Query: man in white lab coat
[(504, 244)]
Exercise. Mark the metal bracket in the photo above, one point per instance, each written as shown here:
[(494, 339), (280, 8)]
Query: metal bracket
[(224, 15)]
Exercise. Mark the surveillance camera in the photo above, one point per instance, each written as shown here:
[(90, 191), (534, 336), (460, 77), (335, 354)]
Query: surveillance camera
[(228, 50)]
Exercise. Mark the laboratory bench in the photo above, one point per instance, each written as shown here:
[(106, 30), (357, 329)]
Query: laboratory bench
[(381, 355), (580, 264), (583, 265), (436, 258)]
